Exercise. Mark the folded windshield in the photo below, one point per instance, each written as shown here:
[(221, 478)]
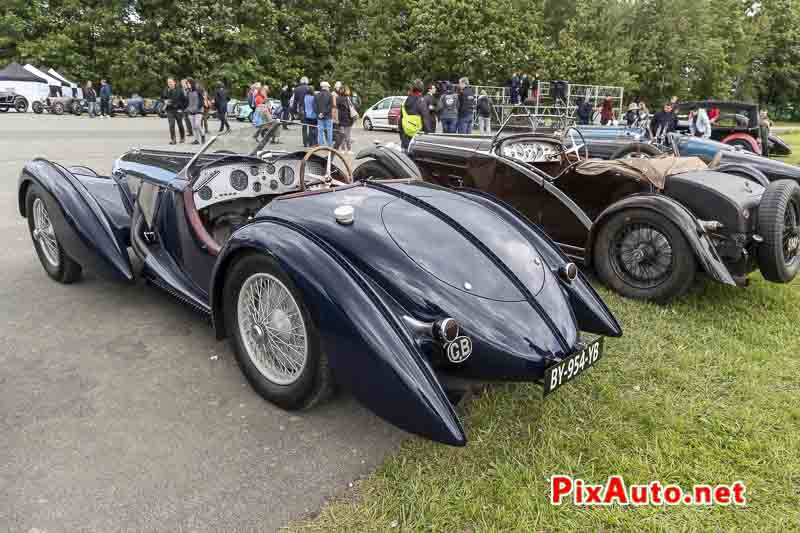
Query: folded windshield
[(244, 140)]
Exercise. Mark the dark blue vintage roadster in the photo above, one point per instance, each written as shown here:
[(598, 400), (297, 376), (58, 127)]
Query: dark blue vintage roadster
[(396, 290)]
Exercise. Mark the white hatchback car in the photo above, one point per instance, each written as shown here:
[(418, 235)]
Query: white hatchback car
[(385, 114)]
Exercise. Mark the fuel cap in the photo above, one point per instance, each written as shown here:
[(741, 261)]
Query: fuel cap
[(344, 214)]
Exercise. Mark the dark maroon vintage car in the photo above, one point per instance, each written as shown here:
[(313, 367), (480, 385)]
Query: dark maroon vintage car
[(646, 226)]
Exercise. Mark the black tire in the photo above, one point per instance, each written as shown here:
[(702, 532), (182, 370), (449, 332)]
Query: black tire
[(77, 109), (21, 105), (779, 225), (315, 382), (4, 109), (368, 124), (371, 169), (57, 108), (38, 108), (744, 145), (621, 276), (634, 149), (67, 271)]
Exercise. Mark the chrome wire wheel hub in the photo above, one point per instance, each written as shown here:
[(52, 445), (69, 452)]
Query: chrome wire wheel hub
[(44, 233), (272, 328), (791, 233), (643, 256)]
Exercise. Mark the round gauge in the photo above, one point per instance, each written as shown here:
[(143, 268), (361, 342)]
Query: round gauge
[(205, 193), (256, 186), (239, 180), (254, 171), (273, 185), (286, 174), (270, 168)]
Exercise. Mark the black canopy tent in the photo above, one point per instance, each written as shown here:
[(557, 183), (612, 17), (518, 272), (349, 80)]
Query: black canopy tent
[(16, 72)]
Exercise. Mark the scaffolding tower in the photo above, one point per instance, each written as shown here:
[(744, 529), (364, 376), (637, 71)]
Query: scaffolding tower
[(555, 109)]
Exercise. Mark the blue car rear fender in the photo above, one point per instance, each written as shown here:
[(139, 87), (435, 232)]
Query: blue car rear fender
[(369, 349)]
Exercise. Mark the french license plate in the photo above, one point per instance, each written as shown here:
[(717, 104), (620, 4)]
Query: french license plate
[(573, 366)]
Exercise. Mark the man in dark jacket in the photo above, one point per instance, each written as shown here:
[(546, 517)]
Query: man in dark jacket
[(447, 109), (105, 98), (431, 101), (323, 106), (524, 88), (174, 102), (514, 89), (466, 106), (663, 122), (414, 115), (286, 97), (585, 113), (299, 98), (221, 104)]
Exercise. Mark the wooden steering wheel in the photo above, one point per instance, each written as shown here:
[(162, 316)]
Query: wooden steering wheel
[(326, 178)]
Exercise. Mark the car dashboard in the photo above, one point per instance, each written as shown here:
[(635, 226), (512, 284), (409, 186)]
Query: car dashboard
[(224, 182), (531, 151)]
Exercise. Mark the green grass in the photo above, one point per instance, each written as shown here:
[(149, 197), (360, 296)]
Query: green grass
[(793, 125), (794, 141), (706, 390)]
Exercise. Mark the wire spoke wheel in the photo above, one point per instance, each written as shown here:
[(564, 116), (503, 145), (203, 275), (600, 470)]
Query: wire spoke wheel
[(791, 233), (642, 255), (44, 233), (272, 328)]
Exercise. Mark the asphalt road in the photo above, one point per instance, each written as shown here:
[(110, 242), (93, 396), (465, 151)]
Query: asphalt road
[(119, 411)]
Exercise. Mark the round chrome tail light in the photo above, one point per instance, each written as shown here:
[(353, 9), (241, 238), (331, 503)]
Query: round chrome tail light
[(568, 272), (446, 329)]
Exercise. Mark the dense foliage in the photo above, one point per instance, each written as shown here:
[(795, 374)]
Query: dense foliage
[(743, 49)]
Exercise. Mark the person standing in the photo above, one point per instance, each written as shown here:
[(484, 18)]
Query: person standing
[(430, 103), (323, 105), (286, 97), (413, 114), (173, 99), (606, 112), (632, 116), (447, 109), (309, 118), (765, 125), (260, 107), (194, 109), (514, 88), (299, 98), (186, 116), (524, 88), (484, 114), (699, 124), (466, 106), (346, 112), (206, 103), (90, 96), (105, 99), (221, 103), (584, 112), (662, 124)]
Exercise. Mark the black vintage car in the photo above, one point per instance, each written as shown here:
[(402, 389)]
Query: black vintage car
[(12, 100), (612, 142), (399, 292), (647, 226)]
